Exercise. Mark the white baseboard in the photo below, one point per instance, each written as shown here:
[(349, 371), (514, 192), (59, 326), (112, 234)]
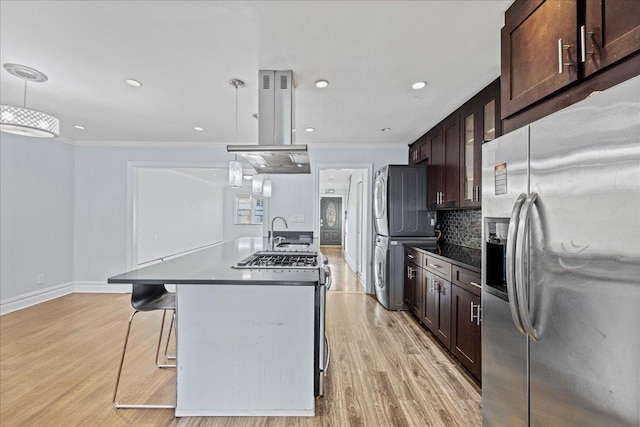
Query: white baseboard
[(352, 265), (27, 300), (100, 288), (32, 298)]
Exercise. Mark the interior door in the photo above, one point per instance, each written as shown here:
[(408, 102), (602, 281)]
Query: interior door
[(331, 221)]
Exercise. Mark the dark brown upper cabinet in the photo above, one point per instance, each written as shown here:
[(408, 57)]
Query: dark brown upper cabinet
[(539, 51), (479, 123), (436, 166), (611, 31), (453, 150), (451, 140), (555, 53), (419, 151)]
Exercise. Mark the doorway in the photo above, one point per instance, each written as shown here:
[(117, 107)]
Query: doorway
[(331, 221), (346, 188)]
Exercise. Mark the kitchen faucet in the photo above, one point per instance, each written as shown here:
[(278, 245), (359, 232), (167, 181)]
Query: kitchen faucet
[(272, 221)]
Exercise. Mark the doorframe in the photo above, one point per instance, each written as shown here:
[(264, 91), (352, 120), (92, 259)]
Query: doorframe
[(342, 219), (359, 218), (368, 231)]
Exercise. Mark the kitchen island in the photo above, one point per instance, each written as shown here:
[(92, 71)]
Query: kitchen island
[(246, 339)]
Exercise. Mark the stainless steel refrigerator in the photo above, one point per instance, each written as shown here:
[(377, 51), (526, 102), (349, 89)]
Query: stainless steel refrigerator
[(561, 267)]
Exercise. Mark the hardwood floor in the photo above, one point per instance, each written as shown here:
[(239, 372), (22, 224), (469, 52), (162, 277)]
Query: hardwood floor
[(58, 362), (344, 280)]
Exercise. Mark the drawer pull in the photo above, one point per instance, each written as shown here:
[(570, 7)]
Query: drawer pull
[(410, 256), (434, 265), (475, 284)]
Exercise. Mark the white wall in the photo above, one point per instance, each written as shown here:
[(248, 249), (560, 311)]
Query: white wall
[(36, 218), (103, 208), (175, 212), (78, 227)]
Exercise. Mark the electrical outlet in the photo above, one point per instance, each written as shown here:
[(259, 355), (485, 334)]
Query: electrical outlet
[(40, 279)]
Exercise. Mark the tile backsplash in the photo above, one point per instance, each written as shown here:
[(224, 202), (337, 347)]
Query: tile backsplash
[(462, 227)]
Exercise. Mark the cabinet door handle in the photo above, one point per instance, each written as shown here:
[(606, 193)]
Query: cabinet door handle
[(583, 42), (561, 63), (475, 318)]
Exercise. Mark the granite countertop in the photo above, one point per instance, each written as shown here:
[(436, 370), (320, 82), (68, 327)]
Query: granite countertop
[(213, 266), (461, 256)]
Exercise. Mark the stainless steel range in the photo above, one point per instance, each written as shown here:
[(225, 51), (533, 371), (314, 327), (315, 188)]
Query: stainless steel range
[(280, 260)]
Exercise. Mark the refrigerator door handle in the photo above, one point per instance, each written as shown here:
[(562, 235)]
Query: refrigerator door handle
[(512, 239), (521, 246)]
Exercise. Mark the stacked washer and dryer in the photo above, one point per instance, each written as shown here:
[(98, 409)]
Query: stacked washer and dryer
[(400, 207)]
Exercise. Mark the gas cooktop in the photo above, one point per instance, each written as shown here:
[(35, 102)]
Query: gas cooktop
[(280, 260)]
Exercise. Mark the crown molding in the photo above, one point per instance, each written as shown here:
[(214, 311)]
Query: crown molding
[(204, 144)]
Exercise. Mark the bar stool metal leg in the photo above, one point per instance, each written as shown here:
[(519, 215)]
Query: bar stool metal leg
[(166, 347), (115, 392), (159, 365)]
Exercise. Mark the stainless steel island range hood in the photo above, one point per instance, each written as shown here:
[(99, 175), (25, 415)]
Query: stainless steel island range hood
[(275, 152)]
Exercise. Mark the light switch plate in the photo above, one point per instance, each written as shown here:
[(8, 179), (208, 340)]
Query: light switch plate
[(297, 218)]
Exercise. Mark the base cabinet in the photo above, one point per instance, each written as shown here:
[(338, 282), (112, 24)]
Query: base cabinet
[(413, 278), (443, 311), (430, 301), (446, 299), (465, 329)]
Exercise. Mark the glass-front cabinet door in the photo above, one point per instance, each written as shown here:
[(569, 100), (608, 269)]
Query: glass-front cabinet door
[(489, 122), (469, 183)]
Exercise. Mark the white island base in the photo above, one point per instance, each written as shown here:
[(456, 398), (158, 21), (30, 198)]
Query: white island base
[(245, 350)]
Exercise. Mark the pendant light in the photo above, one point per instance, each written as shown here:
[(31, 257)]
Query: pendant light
[(235, 167), (22, 120), (256, 184), (266, 188)]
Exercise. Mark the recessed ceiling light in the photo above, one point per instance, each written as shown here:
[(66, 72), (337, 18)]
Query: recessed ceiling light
[(418, 85), (134, 83), (247, 176), (198, 128), (79, 127), (385, 129), (322, 84), (309, 129)]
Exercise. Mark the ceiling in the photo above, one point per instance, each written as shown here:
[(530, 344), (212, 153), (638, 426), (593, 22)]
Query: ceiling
[(185, 52)]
